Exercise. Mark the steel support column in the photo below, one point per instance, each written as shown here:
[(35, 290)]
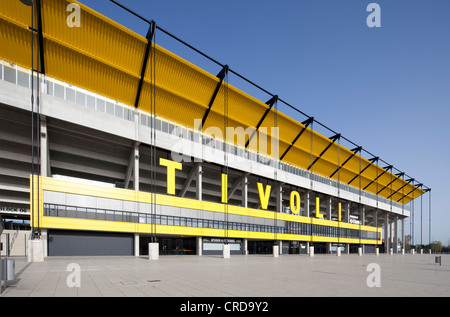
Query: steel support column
[(333, 140), (221, 76), (149, 37), (270, 103), (306, 123)]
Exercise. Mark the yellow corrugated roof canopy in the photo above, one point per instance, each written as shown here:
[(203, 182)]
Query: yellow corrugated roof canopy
[(104, 57)]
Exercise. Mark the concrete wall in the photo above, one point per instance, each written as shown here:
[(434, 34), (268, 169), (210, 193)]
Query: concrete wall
[(17, 242)]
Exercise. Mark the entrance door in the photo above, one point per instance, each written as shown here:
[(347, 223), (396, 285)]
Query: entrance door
[(89, 243), (166, 247), (179, 246)]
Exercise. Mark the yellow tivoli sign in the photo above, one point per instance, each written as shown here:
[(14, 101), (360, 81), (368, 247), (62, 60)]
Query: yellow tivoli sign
[(264, 193)]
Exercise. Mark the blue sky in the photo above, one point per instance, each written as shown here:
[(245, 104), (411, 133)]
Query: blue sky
[(386, 89)]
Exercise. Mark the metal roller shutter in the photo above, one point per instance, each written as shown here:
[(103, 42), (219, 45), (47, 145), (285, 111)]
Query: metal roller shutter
[(89, 243)]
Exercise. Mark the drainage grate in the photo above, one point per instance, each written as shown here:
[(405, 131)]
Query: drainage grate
[(128, 283)]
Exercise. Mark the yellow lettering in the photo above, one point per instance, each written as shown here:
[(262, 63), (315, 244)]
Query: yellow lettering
[(171, 167), (295, 202), (318, 214), (224, 188), (339, 211), (264, 195)]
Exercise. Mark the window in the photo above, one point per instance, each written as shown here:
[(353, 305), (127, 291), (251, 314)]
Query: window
[(90, 102), (71, 212), (118, 216), (118, 111), (59, 91), (165, 126), (143, 119), (110, 108), (109, 215), (80, 98), (134, 217), (10, 74), (23, 79), (70, 94), (158, 124), (100, 105)]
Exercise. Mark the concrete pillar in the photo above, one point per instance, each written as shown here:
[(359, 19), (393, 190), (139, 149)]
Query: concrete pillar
[(279, 197), (153, 251), (35, 250), (360, 251), (245, 191), (133, 168), (386, 233), (199, 246), (311, 251), (44, 238), (375, 224), (328, 244), (226, 251), (391, 232), (136, 167), (307, 202), (347, 213), (307, 213), (199, 181), (329, 207), (45, 150), (363, 215), (396, 235), (245, 246), (136, 244), (403, 234), (276, 250), (338, 251)]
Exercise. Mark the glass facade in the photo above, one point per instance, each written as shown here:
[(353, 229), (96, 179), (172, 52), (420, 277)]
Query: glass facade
[(295, 228)]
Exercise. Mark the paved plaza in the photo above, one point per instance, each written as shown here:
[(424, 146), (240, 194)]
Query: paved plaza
[(240, 276)]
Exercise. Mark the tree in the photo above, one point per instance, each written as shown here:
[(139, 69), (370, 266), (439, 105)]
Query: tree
[(436, 246), (408, 242)]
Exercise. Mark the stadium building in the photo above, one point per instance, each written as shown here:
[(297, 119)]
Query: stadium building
[(112, 145)]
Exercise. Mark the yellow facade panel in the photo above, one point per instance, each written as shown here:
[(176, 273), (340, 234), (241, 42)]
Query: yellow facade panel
[(17, 12), (171, 106), (42, 184), (298, 157), (96, 35), (89, 73), (16, 42), (178, 77)]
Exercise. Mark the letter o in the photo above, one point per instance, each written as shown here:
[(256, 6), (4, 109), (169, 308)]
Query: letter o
[(295, 202)]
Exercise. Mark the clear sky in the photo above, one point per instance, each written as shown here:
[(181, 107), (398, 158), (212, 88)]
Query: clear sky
[(385, 88)]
